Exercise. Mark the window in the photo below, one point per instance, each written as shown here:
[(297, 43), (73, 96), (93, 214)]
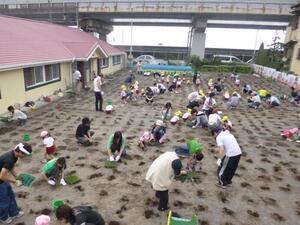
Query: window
[(298, 54), (40, 75), (104, 62), (116, 59)]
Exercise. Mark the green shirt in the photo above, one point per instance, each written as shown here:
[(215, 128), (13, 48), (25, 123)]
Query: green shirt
[(49, 166), (110, 141), (194, 146)]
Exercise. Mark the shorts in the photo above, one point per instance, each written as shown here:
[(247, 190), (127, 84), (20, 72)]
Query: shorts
[(137, 92), (123, 97), (173, 123), (51, 150)]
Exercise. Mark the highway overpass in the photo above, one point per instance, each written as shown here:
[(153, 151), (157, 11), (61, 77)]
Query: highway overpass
[(100, 15)]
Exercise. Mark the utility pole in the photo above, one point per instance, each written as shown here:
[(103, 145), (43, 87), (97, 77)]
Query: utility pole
[(50, 12)]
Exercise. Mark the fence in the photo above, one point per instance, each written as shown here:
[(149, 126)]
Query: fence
[(291, 80)]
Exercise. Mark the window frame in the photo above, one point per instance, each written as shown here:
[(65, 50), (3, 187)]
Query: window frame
[(118, 61), (106, 65), (44, 82)]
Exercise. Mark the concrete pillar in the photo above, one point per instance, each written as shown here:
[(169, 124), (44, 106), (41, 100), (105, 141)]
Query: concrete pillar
[(198, 38), (98, 26)]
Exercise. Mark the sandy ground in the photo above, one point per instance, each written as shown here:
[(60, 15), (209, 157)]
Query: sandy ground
[(265, 189)]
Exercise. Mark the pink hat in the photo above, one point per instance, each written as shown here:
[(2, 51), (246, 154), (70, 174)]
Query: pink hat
[(146, 135), (42, 220)]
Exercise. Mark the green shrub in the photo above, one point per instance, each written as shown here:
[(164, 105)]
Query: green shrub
[(226, 68)]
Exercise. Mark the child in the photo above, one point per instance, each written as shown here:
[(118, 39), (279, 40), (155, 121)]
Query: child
[(166, 111), (273, 101), (178, 84), (226, 95), (144, 140), (201, 119), (168, 79), (214, 120), (48, 141), (210, 83), (187, 115), (149, 95), (109, 107), (193, 151), (136, 88), (198, 82), (237, 82), (254, 101), (158, 132), (124, 94), (291, 134), (42, 220), (209, 103), (227, 125), (176, 118), (53, 171), (234, 100), (17, 115)]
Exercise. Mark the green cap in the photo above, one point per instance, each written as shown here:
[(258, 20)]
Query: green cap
[(26, 137), (194, 146)]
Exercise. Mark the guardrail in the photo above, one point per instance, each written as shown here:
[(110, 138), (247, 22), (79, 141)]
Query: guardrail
[(232, 6)]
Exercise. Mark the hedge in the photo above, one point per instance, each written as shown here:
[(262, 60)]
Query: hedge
[(227, 68)]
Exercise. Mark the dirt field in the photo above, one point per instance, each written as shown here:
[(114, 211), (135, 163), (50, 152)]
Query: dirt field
[(265, 189)]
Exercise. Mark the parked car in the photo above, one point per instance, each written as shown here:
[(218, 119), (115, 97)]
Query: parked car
[(149, 59), (227, 59)]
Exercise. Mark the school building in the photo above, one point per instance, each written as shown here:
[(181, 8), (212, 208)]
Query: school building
[(39, 58), (292, 41)]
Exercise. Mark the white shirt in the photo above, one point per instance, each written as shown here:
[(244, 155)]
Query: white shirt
[(214, 118), (229, 143), (161, 86), (48, 141), (77, 75), (194, 96), (256, 98), (206, 105), (97, 84), (274, 99), (160, 173), (174, 119), (19, 115)]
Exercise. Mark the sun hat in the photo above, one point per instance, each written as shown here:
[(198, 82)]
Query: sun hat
[(25, 148), (44, 133), (146, 135), (42, 220), (159, 123), (225, 118)]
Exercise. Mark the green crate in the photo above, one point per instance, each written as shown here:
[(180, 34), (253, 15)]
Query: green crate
[(72, 179), (26, 179)]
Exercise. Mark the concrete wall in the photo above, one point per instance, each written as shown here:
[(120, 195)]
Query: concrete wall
[(114, 68), (295, 36), (13, 88)]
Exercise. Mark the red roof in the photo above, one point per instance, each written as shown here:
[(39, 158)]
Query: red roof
[(26, 42)]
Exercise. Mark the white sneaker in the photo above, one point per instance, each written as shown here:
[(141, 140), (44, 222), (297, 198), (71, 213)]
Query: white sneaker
[(21, 213), (63, 182), (7, 221), (51, 182)]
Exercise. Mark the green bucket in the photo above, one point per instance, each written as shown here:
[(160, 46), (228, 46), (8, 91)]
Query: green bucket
[(26, 137), (57, 203)]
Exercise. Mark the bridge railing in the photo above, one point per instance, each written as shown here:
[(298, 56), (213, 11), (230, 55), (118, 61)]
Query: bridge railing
[(207, 6)]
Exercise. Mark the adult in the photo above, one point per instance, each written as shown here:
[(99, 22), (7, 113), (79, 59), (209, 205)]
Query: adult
[(130, 79), (78, 215), (194, 99), (158, 132), (98, 93), (161, 174), (77, 79), (139, 67), (83, 133), (116, 146), (229, 154), (295, 96), (201, 119), (17, 115), (234, 100), (161, 88), (247, 89), (272, 100), (214, 121), (8, 205), (195, 78), (53, 171)]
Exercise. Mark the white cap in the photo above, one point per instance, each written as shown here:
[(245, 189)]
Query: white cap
[(44, 133)]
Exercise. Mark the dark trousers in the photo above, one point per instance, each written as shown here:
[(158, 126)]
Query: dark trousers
[(227, 169), (98, 99), (8, 204), (163, 199)]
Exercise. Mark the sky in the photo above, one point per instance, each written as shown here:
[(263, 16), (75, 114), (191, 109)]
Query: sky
[(177, 36)]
